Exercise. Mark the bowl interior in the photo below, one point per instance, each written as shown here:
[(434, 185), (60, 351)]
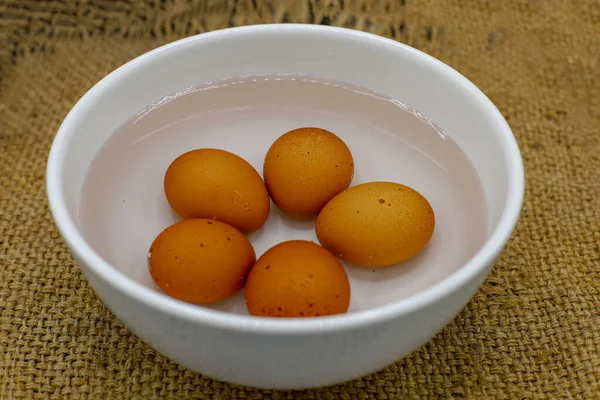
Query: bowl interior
[(137, 208)]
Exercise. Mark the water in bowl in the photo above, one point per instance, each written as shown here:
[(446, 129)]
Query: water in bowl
[(124, 207)]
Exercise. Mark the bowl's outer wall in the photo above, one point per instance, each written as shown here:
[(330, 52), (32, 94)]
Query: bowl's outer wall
[(265, 357), (290, 361)]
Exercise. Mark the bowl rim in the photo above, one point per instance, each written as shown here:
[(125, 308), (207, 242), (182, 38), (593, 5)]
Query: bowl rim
[(223, 320)]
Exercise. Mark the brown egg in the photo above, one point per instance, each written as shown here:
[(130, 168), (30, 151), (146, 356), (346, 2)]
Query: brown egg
[(297, 279), (305, 168), (217, 184), (200, 260), (376, 224)]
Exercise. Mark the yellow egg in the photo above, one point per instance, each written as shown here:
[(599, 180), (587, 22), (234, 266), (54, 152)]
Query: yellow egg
[(376, 224), (305, 168), (200, 260), (217, 184)]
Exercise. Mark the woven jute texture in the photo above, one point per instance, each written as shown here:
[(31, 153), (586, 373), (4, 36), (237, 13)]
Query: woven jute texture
[(531, 332)]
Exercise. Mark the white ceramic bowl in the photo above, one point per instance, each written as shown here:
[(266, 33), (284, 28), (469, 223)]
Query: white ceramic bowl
[(288, 353)]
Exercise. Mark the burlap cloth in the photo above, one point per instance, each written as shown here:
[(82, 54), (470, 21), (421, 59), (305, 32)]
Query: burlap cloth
[(531, 332)]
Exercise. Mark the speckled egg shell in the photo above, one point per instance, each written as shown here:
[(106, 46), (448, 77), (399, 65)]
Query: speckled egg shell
[(297, 278), (376, 224), (200, 260), (217, 184), (305, 168)]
